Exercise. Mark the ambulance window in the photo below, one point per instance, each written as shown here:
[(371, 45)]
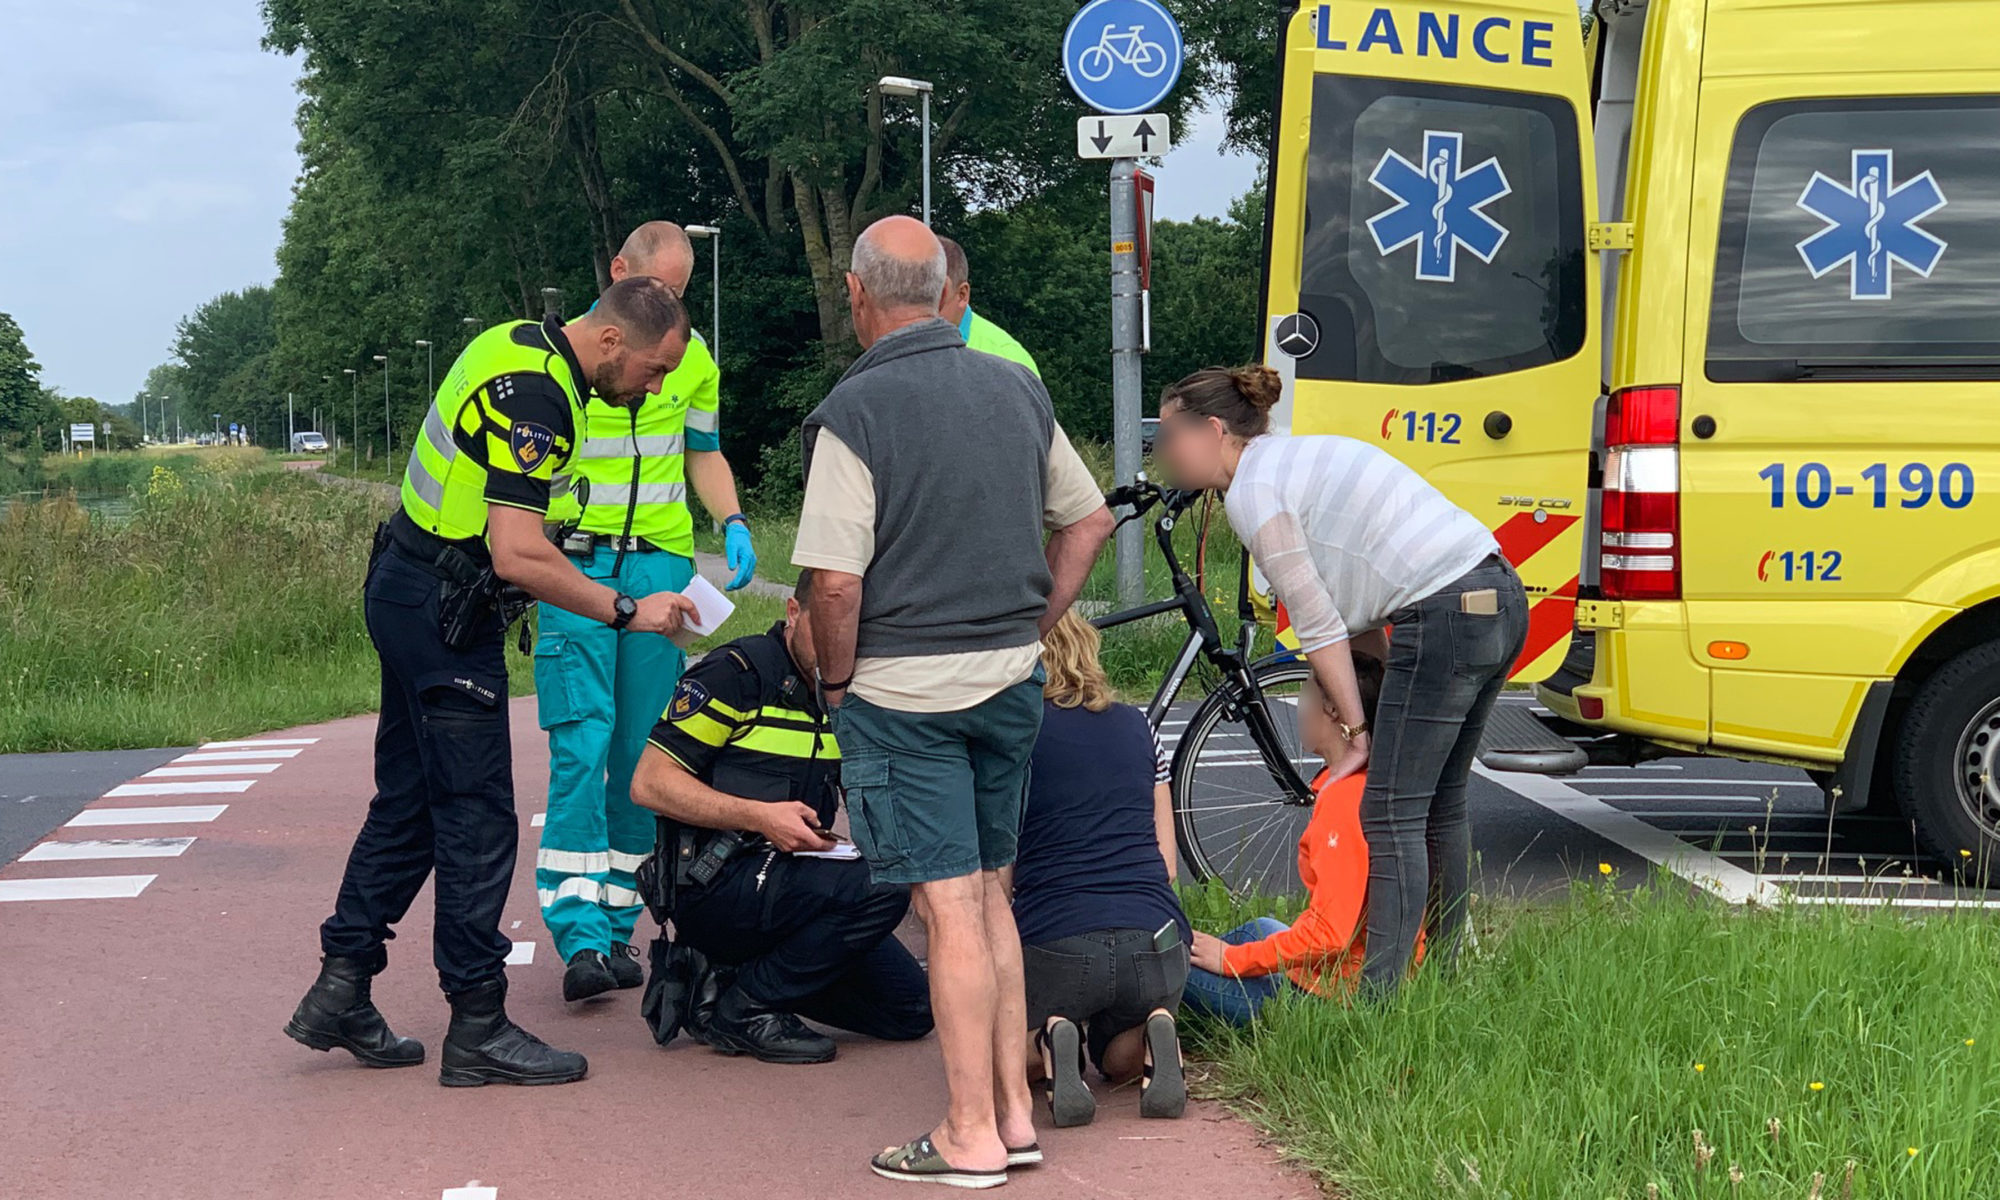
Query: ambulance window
[(1860, 237), (1444, 232)]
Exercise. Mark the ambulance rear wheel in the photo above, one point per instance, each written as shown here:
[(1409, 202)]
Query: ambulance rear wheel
[(1947, 765)]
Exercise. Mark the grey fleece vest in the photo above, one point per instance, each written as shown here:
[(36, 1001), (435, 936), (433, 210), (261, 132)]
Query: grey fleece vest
[(958, 443)]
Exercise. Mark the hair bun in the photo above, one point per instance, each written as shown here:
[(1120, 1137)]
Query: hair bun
[(1260, 385)]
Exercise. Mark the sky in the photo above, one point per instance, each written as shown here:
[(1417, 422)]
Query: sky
[(147, 154), (146, 161)]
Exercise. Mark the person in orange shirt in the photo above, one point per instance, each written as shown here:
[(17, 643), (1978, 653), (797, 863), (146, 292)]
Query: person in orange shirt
[(1235, 975)]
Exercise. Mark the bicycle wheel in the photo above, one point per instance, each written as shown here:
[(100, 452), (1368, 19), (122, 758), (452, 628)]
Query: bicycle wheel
[(1232, 819), (1095, 64), (1148, 59)]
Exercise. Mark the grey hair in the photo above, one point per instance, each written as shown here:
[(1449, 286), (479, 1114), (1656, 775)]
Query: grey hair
[(898, 282)]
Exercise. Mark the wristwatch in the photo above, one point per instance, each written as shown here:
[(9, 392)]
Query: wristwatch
[(1350, 732), (626, 608)]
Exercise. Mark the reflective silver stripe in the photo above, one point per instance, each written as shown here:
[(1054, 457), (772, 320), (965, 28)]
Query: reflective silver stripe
[(440, 436), (573, 862), (620, 494), (651, 446), (429, 488), (621, 861), (589, 891), (701, 420)]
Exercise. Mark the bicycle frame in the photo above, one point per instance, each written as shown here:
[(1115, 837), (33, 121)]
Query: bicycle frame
[(1248, 703)]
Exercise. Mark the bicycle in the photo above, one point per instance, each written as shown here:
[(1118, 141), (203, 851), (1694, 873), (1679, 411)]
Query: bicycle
[(1238, 809), (1147, 58)]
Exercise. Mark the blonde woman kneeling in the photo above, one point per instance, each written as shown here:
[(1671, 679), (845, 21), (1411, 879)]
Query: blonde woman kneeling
[(1103, 937)]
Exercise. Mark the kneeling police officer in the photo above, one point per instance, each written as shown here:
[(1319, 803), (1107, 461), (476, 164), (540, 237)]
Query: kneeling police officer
[(743, 770), (438, 607)]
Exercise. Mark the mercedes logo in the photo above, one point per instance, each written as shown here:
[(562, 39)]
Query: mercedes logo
[(1298, 335)]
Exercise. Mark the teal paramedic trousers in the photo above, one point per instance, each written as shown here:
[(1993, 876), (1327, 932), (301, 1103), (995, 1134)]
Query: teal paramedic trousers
[(599, 692)]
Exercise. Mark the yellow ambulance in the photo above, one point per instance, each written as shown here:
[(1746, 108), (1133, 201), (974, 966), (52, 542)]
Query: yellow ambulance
[(1697, 303)]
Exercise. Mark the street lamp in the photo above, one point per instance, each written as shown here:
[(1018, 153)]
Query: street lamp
[(713, 232), (902, 85), (142, 419), (354, 413), (388, 436), (430, 374), (218, 428), (471, 328)]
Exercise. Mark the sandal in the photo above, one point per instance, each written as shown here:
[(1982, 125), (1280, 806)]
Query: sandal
[(1164, 1090), (1029, 1155), (920, 1162), (1070, 1101)]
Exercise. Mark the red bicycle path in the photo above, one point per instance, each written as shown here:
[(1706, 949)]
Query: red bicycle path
[(145, 1056)]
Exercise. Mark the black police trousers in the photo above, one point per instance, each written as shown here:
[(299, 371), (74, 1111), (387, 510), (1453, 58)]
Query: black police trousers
[(444, 787), (814, 937)]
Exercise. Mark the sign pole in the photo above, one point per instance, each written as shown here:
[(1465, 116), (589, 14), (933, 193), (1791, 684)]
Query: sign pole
[(1127, 340)]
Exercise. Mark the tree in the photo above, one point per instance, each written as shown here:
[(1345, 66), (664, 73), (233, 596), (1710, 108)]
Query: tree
[(21, 407), (224, 348)]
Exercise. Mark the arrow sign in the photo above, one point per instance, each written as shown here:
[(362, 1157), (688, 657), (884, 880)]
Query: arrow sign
[(1148, 134)]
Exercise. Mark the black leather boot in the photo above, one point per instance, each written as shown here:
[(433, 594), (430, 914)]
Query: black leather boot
[(739, 1026), (483, 1046), (338, 1010), (625, 966)]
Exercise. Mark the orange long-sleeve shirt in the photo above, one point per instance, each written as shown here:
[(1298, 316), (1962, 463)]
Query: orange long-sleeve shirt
[(1326, 942)]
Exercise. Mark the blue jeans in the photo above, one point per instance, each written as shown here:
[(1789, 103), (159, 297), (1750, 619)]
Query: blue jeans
[(1227, 997)]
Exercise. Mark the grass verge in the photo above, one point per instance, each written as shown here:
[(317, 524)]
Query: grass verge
[(1649, 1045)]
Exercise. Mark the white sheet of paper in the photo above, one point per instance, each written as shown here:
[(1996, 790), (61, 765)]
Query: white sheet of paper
[(712, 608), (842, 852)]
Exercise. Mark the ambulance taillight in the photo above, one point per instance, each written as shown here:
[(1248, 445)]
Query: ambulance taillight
[(1641, 555)]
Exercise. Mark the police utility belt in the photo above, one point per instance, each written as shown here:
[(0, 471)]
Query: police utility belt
[(470, 596)]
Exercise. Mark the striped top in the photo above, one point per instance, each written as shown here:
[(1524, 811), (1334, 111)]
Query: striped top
[(1346, 533)]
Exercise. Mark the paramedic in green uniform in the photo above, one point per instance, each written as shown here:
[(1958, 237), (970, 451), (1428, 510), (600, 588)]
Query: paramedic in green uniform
[(601, 689), (978, 332)]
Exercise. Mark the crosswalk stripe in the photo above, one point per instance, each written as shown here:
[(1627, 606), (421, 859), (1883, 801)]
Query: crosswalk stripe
[(82, 887), (183, 814), (251, 768), (182, 787), (539, 820), (523, 954), (471, 1191), (261, 742), (109, 848), (235, 755)]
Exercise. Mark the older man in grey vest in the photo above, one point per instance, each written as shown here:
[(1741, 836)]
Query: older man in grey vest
[(932, 472)]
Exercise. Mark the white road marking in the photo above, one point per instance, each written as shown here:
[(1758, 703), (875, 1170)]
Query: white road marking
[(185, 814), (1896, 901), (1871, 880), (211, 769), (109, 848), (471, 1191), (1703, 797), (523, 954), (261, 742), (1725, 782), (1704, 870), (1639, 767), (182, 787), (83, 887), (235, 755), (539, 820)]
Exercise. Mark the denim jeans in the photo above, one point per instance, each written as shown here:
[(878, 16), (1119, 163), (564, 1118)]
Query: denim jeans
[(1446, 667), (1227, 997)]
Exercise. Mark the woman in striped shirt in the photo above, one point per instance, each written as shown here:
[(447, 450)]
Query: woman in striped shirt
[(1355, 542)]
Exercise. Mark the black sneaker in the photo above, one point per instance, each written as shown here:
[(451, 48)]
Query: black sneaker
[(625, 966), (589, 975)]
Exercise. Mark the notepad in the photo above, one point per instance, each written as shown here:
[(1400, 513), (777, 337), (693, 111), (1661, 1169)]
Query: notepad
[(841, 852), (712, 608)]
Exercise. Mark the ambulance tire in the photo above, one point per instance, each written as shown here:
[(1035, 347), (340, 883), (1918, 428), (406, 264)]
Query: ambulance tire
[(1947, 755)]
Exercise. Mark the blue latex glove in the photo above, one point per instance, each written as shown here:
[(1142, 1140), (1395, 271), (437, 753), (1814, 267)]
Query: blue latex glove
[(738, 554)]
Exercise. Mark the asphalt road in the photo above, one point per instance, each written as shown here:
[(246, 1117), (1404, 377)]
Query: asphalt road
[(38, 792)]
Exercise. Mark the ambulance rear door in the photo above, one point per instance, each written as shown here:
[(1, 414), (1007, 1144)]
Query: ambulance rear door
[(1429, 287)]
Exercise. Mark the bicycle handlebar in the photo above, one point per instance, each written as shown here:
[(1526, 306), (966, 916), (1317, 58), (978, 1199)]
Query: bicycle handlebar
[(1143, 495)]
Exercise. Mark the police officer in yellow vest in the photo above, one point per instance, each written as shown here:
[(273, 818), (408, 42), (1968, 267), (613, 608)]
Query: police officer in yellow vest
[(473, 500), (978, 332), (600, 690)]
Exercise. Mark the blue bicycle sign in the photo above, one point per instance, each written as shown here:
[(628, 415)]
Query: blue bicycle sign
[(1122, 56)]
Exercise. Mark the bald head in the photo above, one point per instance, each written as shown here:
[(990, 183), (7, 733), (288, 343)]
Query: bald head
[(900, 264), (660, 249)]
